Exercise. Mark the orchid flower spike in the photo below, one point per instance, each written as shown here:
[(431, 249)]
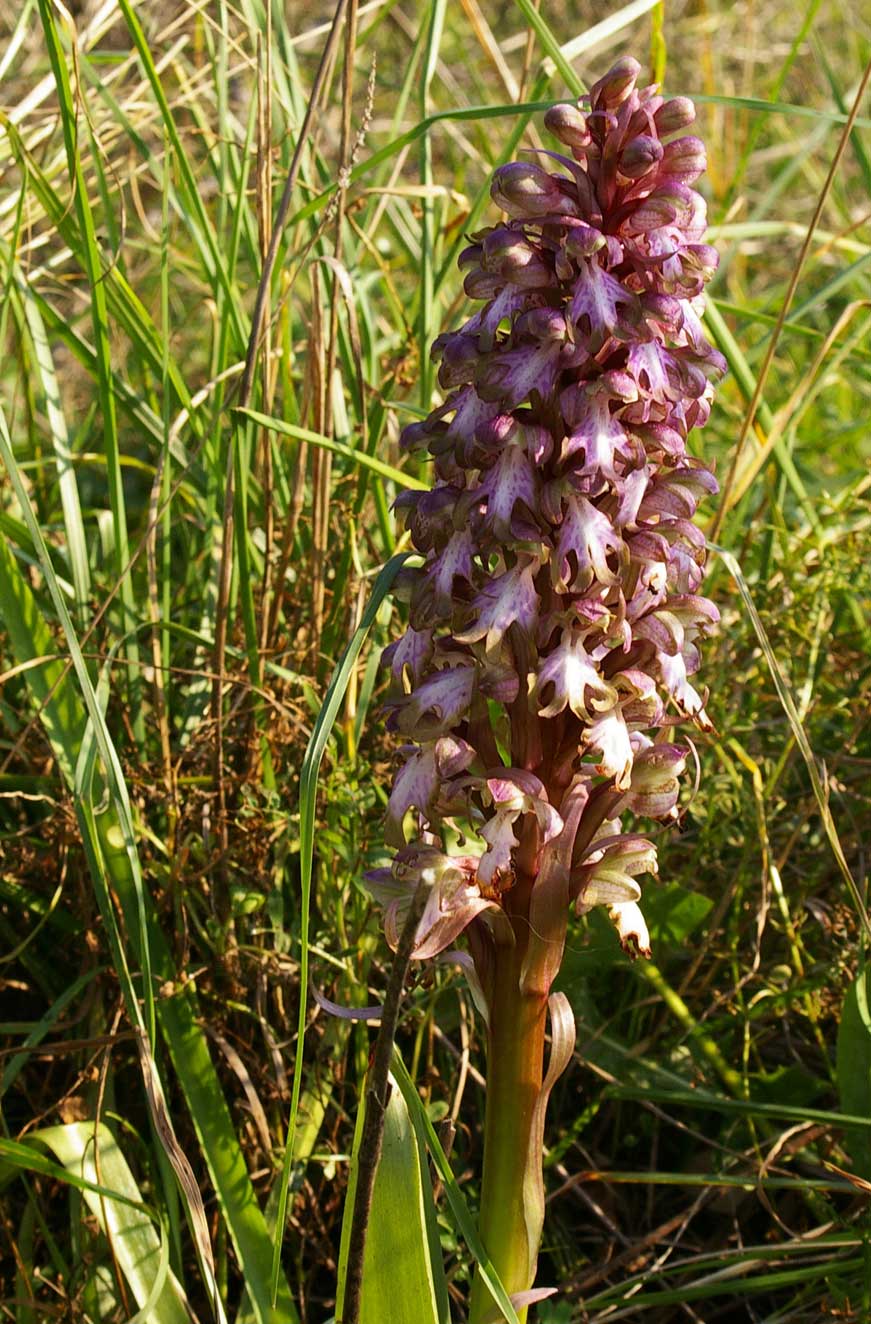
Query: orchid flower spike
[(556, 619)]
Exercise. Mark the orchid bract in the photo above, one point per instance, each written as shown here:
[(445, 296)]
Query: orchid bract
[(555, 621)]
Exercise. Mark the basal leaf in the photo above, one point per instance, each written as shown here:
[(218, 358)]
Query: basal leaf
[(138, 1250), (399, 1266), (854, 1068)]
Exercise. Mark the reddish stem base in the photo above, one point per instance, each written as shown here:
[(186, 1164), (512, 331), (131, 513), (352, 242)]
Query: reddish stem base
[(514, 1075)]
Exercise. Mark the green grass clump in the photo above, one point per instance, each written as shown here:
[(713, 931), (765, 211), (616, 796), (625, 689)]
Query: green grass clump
[(179, 577)]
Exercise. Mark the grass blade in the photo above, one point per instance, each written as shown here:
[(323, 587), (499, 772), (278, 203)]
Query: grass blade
[(550, 44), (308, 790), (203, 230), (785, 695), (100, 321), (76, 542), (75, 721), (360, 457)]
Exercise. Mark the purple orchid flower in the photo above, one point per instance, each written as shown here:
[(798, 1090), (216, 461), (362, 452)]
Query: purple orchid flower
[(555, 622)]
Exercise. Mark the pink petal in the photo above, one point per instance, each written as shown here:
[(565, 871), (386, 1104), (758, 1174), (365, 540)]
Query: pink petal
[(509, 599), (587, 536), (595, 301), (438, 704)]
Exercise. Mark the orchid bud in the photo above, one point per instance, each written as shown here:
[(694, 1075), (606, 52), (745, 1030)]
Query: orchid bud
[(639, 156), (458, 356), (523, 189), (674, 115), (505, 250), (617, 85), (471, 257), (417, 436), (701, 260), (542, 324), (657, 210), (584, 241), (607, 877), (507, 253), (482, 284), (569, 124), (684, 159), (655, 781)]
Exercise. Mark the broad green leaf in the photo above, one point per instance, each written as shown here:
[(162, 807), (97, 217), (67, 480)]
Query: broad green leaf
[(674, 912), (854, 1068), (792, 1085), (24, 1156), (399, 1265), (141, 1255), (462, 1215)]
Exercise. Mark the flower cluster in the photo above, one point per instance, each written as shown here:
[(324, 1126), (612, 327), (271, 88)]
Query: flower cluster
[(555, 620)]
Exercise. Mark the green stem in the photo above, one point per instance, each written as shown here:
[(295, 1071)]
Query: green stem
[(510, 1228), (701, 1043)]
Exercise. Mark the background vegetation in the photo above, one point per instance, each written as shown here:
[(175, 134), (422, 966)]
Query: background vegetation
[(178, 581)]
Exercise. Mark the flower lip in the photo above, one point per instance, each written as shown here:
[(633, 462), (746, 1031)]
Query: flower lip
[(453, 899), (631, 928), (438, 704)]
